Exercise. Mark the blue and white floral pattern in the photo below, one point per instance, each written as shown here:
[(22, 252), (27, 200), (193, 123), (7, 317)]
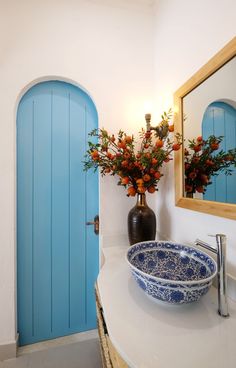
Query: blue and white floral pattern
[(171, 272)]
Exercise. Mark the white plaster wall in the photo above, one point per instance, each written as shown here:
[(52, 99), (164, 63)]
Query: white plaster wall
[(187, 35), (104, 46), (218, 87)]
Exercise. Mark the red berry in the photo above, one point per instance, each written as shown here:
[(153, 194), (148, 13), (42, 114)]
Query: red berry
[(151, 189), (125, 180), (215, 146), (157, 175), (176, 146), (154, 161), (197, 148), (159, 143), (200, 189)]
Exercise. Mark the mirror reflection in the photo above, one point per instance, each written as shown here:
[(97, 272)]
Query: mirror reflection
[(209, 129)]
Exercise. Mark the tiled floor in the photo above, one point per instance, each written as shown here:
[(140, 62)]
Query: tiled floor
[(75, 351)]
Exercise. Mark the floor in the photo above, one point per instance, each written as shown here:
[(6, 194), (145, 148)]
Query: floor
[(76, 351)]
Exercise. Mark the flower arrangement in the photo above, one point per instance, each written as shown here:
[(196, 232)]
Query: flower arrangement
[(138, 168), (202, 160)]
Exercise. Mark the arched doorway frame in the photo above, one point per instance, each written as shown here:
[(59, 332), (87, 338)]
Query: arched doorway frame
[(22, 92), (218, 191)]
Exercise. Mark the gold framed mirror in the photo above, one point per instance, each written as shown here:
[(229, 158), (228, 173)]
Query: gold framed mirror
[(210, 74)]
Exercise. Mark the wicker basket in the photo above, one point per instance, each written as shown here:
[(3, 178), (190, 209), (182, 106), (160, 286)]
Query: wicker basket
[(110, 357)]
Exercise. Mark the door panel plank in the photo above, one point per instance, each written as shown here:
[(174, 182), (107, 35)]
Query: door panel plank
[(77, 211), (219, 130), (230, 133), (42, 215), (60, 211), (208, 129), (25, 217)]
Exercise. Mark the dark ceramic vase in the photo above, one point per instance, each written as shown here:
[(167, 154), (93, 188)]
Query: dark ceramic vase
[(141, 221)]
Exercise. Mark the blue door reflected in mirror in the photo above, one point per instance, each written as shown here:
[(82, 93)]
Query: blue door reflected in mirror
[(220, 120)]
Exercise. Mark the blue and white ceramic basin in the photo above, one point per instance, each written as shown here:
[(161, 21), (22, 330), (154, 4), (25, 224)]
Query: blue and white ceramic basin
[(171, 272)]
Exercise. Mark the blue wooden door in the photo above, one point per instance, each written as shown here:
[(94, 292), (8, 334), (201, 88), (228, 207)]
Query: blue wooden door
[(220, 120), (57, 255)]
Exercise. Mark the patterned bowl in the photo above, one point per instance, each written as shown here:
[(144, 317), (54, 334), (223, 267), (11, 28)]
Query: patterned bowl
[(171, 272)]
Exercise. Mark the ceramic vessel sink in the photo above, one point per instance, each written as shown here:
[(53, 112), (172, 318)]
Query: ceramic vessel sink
[(171, 272)]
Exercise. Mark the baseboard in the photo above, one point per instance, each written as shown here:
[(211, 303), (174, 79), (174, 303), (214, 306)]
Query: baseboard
[(8, 350)]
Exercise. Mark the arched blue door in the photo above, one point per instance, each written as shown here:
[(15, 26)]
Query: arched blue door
[(220, 120), (57, 261)]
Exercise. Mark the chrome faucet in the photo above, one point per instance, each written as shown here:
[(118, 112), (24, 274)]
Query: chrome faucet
[(220, 251)]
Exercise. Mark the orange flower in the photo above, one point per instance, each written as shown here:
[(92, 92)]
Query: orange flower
[(146, 177), (122, 144), (139, 182), (131, 191), (154, 161), (128, 139), (188, 188), (209, 163), (200, 189), (124, 163), (109, 155), (157, 175), (151, 189), (141, 189), (192, 175), (159, 143), (126, 155), (204, 179), (148, 135), (196, 160), (125, 180), (215, 146), (94, 154), (197, 148), (176, 146)]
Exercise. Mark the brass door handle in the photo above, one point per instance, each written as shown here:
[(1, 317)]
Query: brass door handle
[(95, 223)]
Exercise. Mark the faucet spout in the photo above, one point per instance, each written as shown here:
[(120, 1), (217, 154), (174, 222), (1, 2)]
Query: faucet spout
[(220, 251)]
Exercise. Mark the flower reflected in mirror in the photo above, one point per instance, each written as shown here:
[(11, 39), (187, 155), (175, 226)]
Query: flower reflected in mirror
[(204, 159)]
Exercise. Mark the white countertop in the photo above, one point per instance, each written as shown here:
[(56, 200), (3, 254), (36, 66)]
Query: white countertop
[(150, 334)]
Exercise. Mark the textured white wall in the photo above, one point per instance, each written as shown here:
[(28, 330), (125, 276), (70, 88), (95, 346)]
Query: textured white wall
[(108, 47), (104, 46), (187, 35), (219, 87)]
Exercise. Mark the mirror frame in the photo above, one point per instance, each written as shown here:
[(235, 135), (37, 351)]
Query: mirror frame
[(227, 210)]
